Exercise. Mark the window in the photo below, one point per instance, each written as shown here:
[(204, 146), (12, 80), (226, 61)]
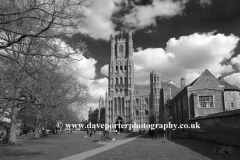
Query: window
[(232, 105), (146, 112), (137, 113), (137, 101), (146, 100), (121, 49), (206, 101)]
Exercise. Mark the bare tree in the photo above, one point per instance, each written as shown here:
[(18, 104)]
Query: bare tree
[(37, 83), (44, 18)]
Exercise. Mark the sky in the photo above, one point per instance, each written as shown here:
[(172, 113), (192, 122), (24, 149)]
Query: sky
[(179, 38)]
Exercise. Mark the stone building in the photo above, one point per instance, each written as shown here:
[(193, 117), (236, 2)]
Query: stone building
[(204, 96), (159, 102), (124, 103)]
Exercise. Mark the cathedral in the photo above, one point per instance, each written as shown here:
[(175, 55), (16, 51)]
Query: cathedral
[(160, 102), (123, 102)]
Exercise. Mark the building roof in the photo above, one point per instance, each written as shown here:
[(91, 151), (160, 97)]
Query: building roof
[(145, 89), (229, 86)]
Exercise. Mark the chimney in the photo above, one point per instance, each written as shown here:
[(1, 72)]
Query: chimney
[(221, 78), (182, 82)]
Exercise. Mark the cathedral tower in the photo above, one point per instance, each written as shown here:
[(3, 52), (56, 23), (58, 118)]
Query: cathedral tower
[(121, 80), (155, 87)]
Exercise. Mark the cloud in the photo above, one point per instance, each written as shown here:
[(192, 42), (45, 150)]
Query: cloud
[(204, 3), (104, 70), (143, 16), (233, 79), (97, 87), (99, 24), (186, 57), (85, 71), (236, 61)]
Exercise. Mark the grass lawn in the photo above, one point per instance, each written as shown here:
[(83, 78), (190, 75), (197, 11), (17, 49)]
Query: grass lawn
[(145, 148), (53, 147)]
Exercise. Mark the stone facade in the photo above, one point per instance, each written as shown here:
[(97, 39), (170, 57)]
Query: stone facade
[(205, 96), (123, 102)]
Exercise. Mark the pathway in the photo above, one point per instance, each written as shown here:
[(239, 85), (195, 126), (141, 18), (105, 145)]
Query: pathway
[(109, 145)]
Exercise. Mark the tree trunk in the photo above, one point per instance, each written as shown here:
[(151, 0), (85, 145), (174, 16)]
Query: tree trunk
[(36, 133), (12, 134)]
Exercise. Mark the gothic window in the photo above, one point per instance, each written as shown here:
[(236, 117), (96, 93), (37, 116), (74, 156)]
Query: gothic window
[(123, 105), (121, 49), (146, 100), (146, 112), (137, 113), (206, 101), (121, 69), (115, 105), (119, 105), (137, 101)]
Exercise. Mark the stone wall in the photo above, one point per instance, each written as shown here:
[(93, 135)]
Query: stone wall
[(223, 128), (231, 100)]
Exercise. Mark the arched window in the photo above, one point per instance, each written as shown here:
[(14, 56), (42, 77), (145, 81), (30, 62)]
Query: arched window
[(115, 105), (121, 80), (125, 67), (116, 80), (146, 100), (121, 68), (137, 101), (121, 49), (137, 113), (146, 112)]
